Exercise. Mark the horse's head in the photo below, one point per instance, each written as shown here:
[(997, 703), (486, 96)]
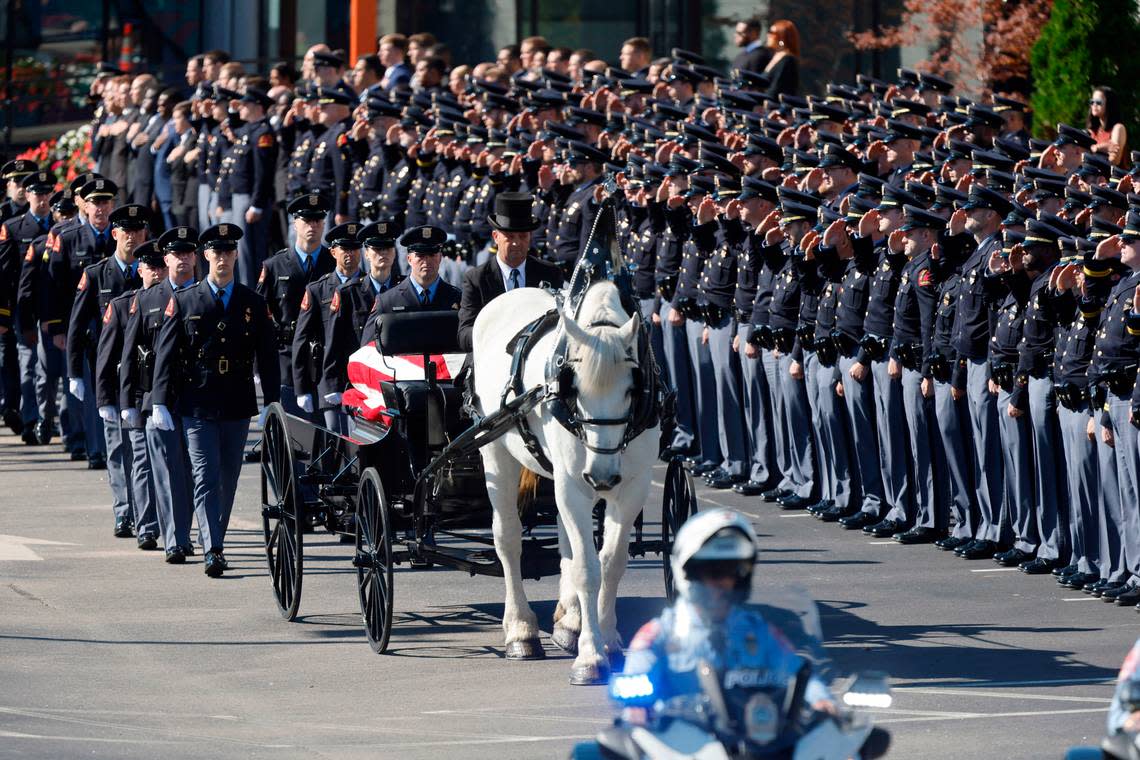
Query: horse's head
[(602, 355)]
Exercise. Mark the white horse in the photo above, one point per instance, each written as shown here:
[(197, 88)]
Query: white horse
[(602, 350)]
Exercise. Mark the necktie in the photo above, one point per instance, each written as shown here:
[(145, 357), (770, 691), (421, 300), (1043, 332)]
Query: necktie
[(308, 264), (514, 279), (424, 297), (220, 295)]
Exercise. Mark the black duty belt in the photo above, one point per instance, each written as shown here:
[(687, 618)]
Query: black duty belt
[(1073, 397), (688, 308), (783, 339), (1120, 382), (667, 287), (1042, 365), (1002, 374), (941, 368), (910, 355), (713, 314), (844, 343), (762, 337), (875, 346)]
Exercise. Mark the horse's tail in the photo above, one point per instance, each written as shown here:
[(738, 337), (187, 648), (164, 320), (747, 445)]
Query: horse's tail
[(528, 489)]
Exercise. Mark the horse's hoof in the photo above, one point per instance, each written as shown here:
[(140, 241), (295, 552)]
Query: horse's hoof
[(590, 675), (565, 639), (529, 649)]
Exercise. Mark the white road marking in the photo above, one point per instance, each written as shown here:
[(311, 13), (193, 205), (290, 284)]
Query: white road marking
[(996, 570), (15, 548), (1009, 695), (884, 543), (1082, 599), (978, 716), (1007, 684), (796, 514)]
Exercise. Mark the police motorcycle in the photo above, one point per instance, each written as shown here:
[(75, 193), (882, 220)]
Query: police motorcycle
[(747, 688), (1120, 744)]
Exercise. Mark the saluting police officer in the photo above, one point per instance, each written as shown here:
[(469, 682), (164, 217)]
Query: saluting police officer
[(249, 182), (284, 278), (111, 349), (215, 334), (169, 461), (99, 284), (309, 344)]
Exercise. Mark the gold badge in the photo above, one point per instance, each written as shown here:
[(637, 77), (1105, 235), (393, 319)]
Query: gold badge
[(427, 233), (133, 211), (223, 229), (182, 233)]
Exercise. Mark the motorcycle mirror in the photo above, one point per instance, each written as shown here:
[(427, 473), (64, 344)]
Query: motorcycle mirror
[(869, 689)]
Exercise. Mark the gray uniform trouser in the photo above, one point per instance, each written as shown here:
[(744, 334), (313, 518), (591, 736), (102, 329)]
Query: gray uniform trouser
[(680, 377), (1128, 481), (215, 448), (927, 465), (859, 398), (1048, 469), (988, 461), (729, 405), (779, 436), (1080, 460), (894, 459), (1016, 445), (952, 418), (205, 210), (839, 482), (29, 407), (1113, 566), (254, 244), (142, 482), (704, 393), (92, 424), (797, 423), (173, 486), (757, 396), (119, 458)]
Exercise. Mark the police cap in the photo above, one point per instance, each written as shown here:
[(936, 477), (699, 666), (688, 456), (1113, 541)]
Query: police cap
[(933, 82), (221, 237), (581, 153), (327, 59), (345, 235), (755, 187), (335, 95), (179, 240), (39, 182), (18, 169), (915, 218), (257, 96), (425, 239), (149, 253), (381, 234), (895, 197), (63, 202), (133, 216), (1069, 135), (984, 197), (1038, 232), (900, 130), (309, 206)]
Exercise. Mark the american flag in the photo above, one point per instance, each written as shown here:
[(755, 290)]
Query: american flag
[(367, 368)]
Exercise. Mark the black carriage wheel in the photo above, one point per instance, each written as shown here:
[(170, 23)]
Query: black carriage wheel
[(374, 560), (679, 504), (281, 514)]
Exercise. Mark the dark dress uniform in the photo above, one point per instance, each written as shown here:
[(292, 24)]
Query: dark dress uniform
[(670, 229), (409, 295), (329, 170), (249, 183), (208, 347), (349, 312), (136, 461)]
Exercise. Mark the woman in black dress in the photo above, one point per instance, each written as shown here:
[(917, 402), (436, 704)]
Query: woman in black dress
[(784, 68)]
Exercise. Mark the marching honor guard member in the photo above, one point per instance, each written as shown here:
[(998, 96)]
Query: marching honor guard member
[(284, 278), (100, 283), (309, 342), (170, 465), (214, 335)]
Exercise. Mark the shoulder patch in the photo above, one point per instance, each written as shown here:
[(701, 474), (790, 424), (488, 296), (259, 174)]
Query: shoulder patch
[(107, 314), (265, 141), (341, 140), (261, 277), (171, 307), (83, 281), (134, 304), (646, 635), (306, 302), (53, 242), (334, 305), (30, 256), (3, 232), (925, 279)]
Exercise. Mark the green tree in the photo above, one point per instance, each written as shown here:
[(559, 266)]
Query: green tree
[(1084, 44)]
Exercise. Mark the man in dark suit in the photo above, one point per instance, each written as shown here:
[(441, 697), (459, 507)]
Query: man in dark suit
[(754, 54), (423, 290), (512, 267)]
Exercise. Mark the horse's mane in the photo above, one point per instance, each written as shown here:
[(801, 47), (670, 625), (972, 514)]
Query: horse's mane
[(602, 359)]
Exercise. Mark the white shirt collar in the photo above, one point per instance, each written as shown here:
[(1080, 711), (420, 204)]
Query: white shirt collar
[(506, 272)]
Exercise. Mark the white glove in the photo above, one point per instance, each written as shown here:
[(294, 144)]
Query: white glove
[(131, 418), (305, 401), (161, 418), (332, 398), (76, 387), (108, 414), (261, 417), (257, 379)]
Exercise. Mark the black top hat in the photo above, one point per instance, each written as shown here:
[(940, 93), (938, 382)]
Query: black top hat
[(513, 213)]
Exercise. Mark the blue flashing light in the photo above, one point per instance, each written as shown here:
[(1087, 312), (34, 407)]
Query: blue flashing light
[(631, 688)]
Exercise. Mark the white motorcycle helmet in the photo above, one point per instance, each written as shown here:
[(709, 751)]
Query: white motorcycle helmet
[(716, 536)]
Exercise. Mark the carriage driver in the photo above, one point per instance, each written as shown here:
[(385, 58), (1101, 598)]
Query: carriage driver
[(712, 561)]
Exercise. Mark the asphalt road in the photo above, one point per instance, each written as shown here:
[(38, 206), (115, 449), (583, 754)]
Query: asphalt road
[(107, 652)]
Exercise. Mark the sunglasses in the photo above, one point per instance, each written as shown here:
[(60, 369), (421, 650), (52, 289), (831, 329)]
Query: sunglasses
[(1095, 102)]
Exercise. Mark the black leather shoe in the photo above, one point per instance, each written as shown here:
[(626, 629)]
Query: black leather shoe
[(96, 462), (819, 507), (749, 488), (1012, 558), (176, 556), (225, 562), (45, 429), (719, 472), (148, 542), (792, 501), (253, 456), (775, 494), (885, 528), (858, 520), (1096, 589), (918, 536), (835, 513), (29, 437), (189, 550), (725, 481), (691, 461), (123, 527), (214, 564), (1114, 590), (78, 455), (704, 469), (1130, 597), (1039, 566), (1078, 581), (950, 543), (14, 421), (977, 550), (1066, 570)]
